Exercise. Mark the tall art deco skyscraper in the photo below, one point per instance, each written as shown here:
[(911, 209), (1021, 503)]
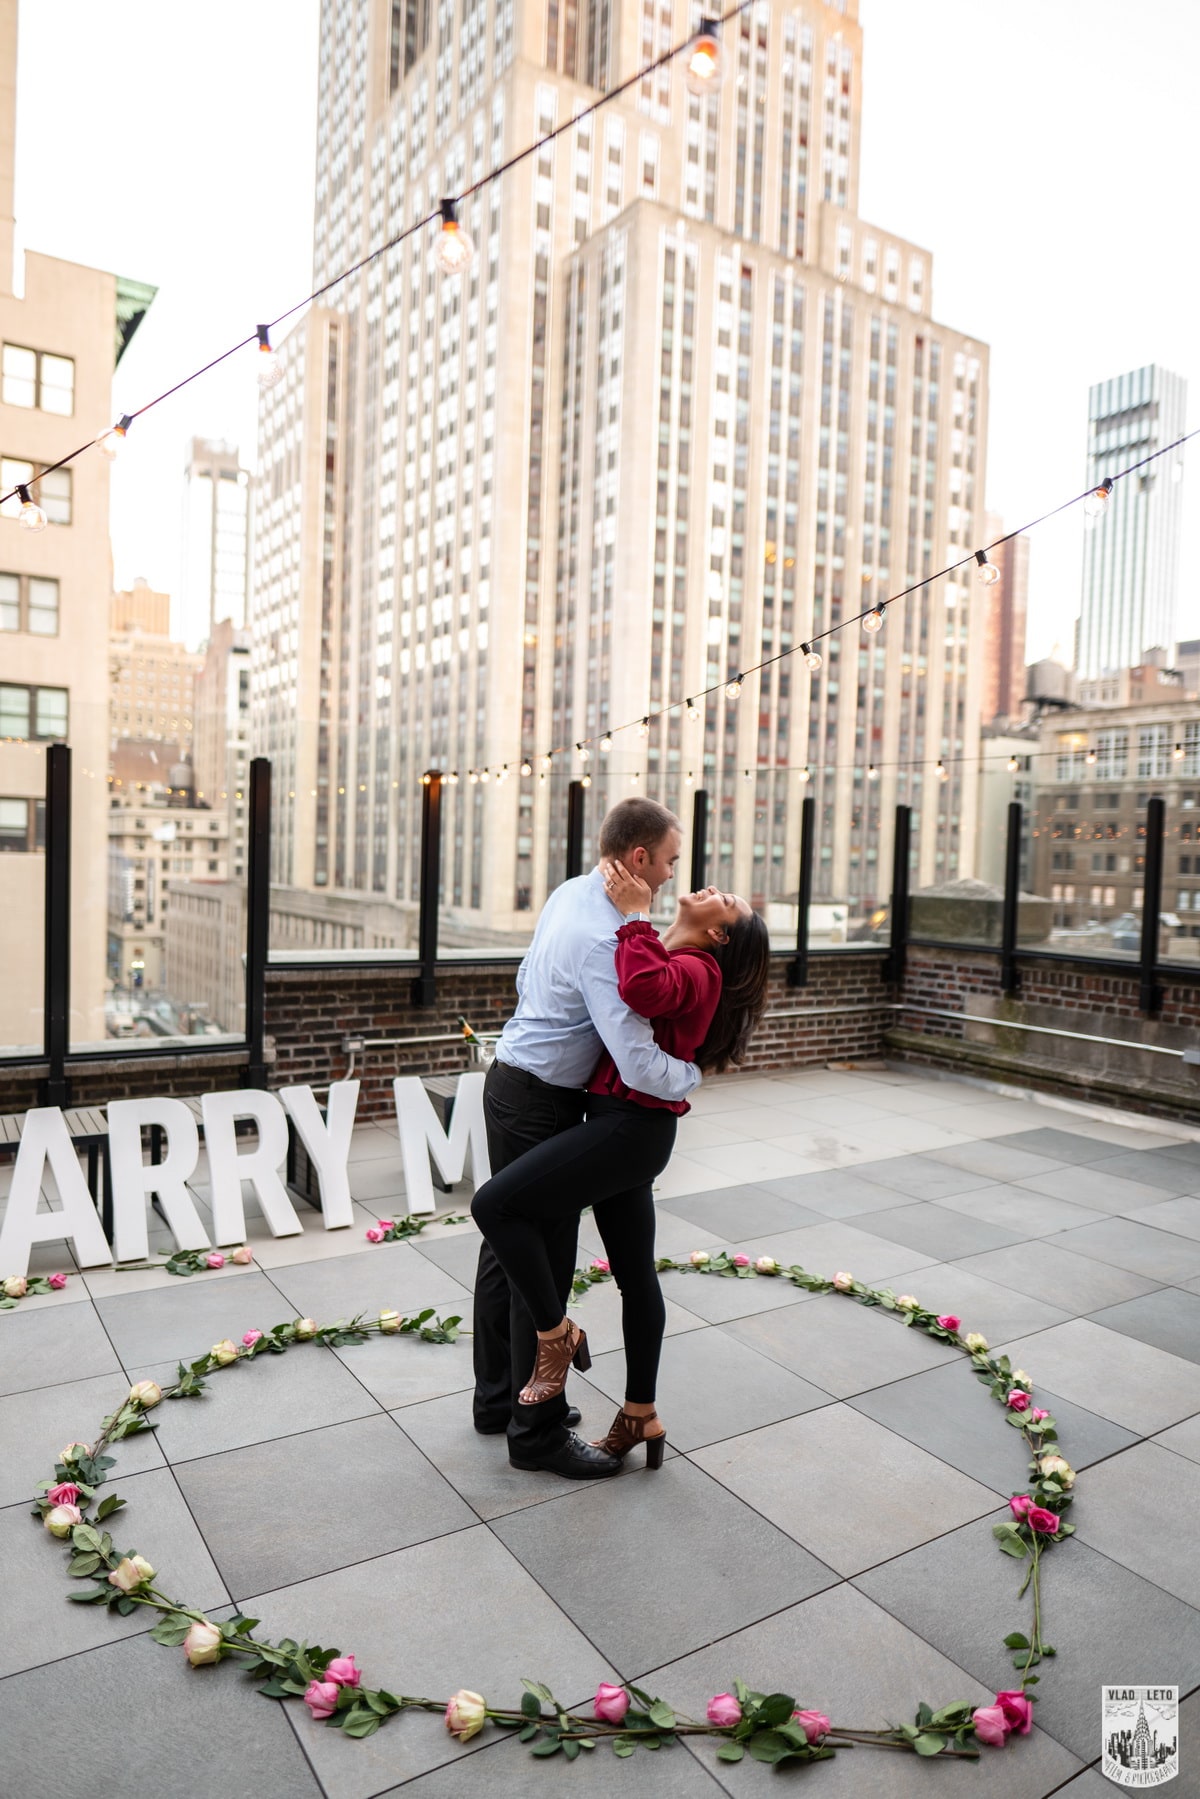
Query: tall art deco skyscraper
[(683, 411)]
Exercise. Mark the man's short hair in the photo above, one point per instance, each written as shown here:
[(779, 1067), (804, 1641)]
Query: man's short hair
[(635, 823)]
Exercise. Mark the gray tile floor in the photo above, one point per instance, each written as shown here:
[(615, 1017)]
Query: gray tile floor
[(823, 1521)]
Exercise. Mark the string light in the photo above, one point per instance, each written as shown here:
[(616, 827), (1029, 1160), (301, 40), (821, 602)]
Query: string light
[(31, 516), (527, 767), (702, 72), (473, 777), (1177, 753), (812, 658), (989, 574), (633, 780), (805, 776), (734, 687), (643, 729), (484, 776), (454, 249), (941, 771), (547, 761), (1090, 758), (745, 774), (452, 777), (109, 442), (270, 369), (687, 779), (426, 779), (585, 780), (874, 620), (584, 751), (1014, 763), (605, 744), (503, 773), (872, 772), (693, 711), (1095, 505)]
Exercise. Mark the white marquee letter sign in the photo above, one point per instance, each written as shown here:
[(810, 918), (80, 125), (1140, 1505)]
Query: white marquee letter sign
[(45, 1138), (422, 1136), (228, 1169), (327, 1141), (134, 1180)]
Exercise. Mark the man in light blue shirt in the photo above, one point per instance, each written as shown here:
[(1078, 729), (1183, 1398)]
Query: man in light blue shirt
[(568, 1011)]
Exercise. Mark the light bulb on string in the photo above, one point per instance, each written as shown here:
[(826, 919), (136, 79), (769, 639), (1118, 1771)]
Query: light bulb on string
[(812, 658), (693, 711), (270, 369), (1090, 758), (109, 442), (541, 780), (872, 772), (733, 688), (989, 574), (942, 772), (426, 779), (874, 620), (484, 775), (473, 776), (1177, 754), (702, 70), (1014, 764), (746, 774), (1095, 504), (502, 772), (31, 517), (547, 761), (605, 744), (805, 776), (633, 780), (452, 778), (527, 767), (585, 780), (687, 779), (643, 729), (584, 751), (454, 248)]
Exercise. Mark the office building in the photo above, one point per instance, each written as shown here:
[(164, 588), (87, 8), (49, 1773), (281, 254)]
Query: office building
[(216, 541), (222, 752), (63, 327), (1005, 607), (1131, 554), (151, 684), (153, 840), (140, 608), (684, 410)]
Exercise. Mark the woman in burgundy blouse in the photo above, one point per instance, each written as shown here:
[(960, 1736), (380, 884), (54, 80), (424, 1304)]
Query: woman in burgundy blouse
[(702, 985)]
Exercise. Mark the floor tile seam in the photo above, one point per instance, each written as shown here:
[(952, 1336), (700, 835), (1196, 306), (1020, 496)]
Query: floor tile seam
[(74, 1655), (362, 1561), (285, 1436)]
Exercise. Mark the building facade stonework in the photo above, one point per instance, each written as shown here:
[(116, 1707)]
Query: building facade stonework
[(684, 411)]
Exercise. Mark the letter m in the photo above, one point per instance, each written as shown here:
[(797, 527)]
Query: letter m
[(422, 1136)]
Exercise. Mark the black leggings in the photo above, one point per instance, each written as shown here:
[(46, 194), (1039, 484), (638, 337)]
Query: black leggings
[(608, 1162)]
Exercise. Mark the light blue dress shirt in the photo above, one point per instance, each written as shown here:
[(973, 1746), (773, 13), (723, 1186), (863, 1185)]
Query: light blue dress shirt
[(569, 1008)]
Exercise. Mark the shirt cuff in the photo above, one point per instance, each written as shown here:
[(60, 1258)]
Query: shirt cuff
[(636, 927)]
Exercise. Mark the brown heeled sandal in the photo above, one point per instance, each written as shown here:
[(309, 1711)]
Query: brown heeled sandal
[(628, 1431), (554, 1356)]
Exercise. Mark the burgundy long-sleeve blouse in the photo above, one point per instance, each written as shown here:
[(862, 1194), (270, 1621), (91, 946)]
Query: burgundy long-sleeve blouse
[(677, 990)]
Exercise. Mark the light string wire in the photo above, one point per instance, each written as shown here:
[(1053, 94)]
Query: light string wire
[(355, 268)]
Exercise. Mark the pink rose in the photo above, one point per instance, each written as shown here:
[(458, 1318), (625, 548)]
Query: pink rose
[(843, 1281), (723, 1708), (215, 1260), (1018, 1400), (321, 1697), (66, 1493), (203, 1644), (243, 1256), (1018, 1710), (948, 1321), (342, 1671), (250, 1338), (1041, 1520), (815, 1725), (767, 1265), (740, 1261), (601, 1267), (374, 1234), (1037, 1414), (387, 1224), (61, 1520), (610, 1704), (991, 1725), (57, 1281), (1019, 1505)]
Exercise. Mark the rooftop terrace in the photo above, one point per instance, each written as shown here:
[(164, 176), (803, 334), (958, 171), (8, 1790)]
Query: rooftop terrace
[(822, 1524)]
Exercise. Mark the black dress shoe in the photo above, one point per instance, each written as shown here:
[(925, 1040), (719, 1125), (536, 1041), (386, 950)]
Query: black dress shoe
[(574, 1459), (497, 1430)]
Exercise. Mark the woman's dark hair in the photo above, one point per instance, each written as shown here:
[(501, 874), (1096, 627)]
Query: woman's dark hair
[(744, 960)]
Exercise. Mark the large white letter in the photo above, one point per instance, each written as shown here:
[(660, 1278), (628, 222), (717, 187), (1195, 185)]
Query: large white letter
[(261, 1167), (134, 1180), (421, 1135), (45, 1138), (327, 1141)]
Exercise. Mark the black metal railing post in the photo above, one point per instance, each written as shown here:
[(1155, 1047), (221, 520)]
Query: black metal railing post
[(258, 915), (574, 830), (1150, 998), (699, 838), (424, 987), (797, 975), (55, 1089), (897, 957), (1010, 979)]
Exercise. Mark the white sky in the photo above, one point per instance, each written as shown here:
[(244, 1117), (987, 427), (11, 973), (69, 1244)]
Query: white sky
[(1046, 152)]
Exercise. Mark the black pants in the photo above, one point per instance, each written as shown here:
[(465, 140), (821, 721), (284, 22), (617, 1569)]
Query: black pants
[(607, 1162), (520, 1112)]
